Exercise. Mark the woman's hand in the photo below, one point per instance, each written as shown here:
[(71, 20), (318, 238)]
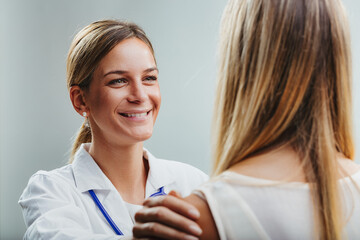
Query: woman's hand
[(167, 217)]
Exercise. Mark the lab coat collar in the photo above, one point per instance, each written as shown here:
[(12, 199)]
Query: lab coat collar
[(159, 175), (88, 174)]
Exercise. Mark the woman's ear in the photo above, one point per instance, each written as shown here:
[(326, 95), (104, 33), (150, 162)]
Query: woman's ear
[(78, 100)]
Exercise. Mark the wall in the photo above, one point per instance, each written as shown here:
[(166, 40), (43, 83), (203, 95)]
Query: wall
[(353, 8)]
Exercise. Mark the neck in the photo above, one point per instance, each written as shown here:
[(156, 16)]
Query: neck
[(124, 166), (278, 164)]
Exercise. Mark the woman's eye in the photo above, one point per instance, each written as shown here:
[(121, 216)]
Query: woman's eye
[(117, 81), (151, 78)]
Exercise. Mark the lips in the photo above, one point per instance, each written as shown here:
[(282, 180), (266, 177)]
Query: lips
[(135, 114)]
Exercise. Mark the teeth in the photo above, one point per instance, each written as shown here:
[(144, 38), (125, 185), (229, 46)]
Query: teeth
[(135, 114)]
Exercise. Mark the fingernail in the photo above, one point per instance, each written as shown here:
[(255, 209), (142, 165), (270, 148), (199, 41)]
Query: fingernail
[(195, 229), (194, 213), (189, 237)]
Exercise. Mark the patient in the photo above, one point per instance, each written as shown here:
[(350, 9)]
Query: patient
[(283, 144)]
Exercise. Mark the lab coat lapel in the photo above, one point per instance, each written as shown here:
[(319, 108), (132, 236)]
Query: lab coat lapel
[(88, 175), (116, 208), (158, 176)]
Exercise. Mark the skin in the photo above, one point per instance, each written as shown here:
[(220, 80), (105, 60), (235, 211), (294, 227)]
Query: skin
[(168, 217), (123, 84), (281, 164)]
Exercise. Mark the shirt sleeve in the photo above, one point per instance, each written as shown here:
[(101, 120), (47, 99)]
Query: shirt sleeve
[(229, 211), (50, 212)]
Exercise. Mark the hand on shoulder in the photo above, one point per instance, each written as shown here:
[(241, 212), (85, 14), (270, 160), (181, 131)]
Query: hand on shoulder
[(167, 217)]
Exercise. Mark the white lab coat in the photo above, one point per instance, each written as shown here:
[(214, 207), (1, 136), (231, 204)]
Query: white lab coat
[(57, 205)]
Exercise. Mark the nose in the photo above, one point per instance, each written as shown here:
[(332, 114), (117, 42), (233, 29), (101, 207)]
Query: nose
[(137, 92)]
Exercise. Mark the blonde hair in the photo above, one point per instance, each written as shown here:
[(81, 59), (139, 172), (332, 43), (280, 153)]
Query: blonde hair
[(88, 48), (285, 78)]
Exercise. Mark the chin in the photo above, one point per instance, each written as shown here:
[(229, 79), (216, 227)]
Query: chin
[(143, 136)]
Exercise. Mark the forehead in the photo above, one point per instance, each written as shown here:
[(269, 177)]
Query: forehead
[(130, 54)]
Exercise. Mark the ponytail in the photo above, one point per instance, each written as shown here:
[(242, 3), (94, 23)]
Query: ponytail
[(83, 136)]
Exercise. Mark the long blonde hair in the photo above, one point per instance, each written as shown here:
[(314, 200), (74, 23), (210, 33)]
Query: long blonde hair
[(285, 78), (88, 48)]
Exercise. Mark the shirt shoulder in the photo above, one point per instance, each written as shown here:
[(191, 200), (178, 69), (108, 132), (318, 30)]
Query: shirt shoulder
[(183, 177), (62, 175), (180, 169), (57, 181), (46, 191)]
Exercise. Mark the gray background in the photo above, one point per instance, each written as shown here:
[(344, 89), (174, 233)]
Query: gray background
[(37, 121)]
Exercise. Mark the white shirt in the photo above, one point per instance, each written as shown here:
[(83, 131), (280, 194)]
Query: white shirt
[(57, 205), (251, 208)]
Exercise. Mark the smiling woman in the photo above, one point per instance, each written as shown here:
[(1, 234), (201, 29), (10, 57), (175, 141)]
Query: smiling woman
[(124, 96), (112, 80)]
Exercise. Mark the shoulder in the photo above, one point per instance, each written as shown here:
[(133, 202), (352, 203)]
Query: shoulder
[(350, 166), (55, 181), (175, 168), (206, 220), (45, 191), (175, 175), (63, 174), (185, 176)]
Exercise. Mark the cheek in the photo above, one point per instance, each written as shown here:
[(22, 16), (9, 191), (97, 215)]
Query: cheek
[(99, 101), (156, 96), (105, 100), (156, 99)]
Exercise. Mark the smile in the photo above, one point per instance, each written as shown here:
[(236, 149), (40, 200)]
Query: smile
[(135, 115)]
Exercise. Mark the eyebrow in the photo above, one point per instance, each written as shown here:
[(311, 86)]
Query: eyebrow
[(123, 71)]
